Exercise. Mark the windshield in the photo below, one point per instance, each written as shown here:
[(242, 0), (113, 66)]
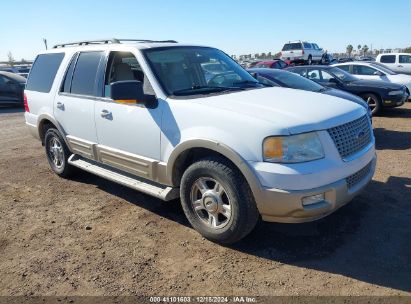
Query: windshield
[(294, 81), (383, 68), (342, 75), (184, 71)]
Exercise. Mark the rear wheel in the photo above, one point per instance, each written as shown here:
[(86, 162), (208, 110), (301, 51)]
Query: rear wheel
[(310, 60), (217, 201), (57, 153), (374, 102)]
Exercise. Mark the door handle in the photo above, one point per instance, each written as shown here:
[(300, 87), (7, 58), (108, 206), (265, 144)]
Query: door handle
[(400, 66), (106, 114), (60, 106)]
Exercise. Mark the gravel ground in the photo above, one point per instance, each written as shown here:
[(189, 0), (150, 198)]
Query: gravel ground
[(89, 236)]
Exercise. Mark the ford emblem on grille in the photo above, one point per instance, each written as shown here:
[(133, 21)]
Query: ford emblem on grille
[(360, 134)]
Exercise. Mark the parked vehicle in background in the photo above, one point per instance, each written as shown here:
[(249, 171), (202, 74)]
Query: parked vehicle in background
[(11, 89), (398, 62), (301, 52), (366, 58), (20, 70), (272, 64), (328, 59), (144, 114), (345, 59), (375, 71), (253, 63), (377, 94), (291, 80)]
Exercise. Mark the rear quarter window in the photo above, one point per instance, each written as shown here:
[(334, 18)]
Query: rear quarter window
[(43, 72)]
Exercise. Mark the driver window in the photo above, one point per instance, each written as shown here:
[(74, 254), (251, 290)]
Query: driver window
[(326, 76), (363, 70), (124, 66)]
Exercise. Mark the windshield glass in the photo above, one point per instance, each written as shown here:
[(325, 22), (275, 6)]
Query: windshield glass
[(294, 81), (342, 75), (184, 71), (383, 68)]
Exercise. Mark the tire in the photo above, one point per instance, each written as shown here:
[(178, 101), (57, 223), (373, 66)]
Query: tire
[(57, 153), (225, 213), (374, 102), (310, 60)]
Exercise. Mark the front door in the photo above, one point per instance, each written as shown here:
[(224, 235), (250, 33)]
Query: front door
[(128, 133)]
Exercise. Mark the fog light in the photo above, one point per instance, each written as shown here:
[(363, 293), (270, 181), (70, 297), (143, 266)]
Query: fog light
[(313, 199)]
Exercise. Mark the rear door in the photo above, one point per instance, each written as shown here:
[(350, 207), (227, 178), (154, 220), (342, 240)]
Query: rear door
[(8, 90), (390, 61), (404, 64), (74, 104)]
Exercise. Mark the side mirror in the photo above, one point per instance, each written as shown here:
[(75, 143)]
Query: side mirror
[(378, 73), (130, 92)]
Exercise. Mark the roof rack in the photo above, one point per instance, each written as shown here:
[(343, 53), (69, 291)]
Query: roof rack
[(112, 40)]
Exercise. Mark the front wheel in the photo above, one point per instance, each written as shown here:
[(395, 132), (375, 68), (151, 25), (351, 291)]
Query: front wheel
[(374, 102), (218, 201)]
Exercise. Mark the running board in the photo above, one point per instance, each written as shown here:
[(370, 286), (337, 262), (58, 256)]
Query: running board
[(160, 191)]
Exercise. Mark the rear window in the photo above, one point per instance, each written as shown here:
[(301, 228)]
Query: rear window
[(387, 59), (292, 46), (43, 72)]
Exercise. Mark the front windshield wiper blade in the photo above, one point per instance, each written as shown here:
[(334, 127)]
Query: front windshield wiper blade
[(247, 82), (204, 90)]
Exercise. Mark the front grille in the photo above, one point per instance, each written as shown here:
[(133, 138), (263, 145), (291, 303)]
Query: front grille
[(357, 177), (351, 137)]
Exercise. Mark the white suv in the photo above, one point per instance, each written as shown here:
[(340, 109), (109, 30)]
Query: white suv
[(302, 52), (150, 116)]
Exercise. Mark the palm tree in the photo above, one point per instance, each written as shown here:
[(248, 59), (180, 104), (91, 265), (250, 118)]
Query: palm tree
[(365, 49), (349, 50)]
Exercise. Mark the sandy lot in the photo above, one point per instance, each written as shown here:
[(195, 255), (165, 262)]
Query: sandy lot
[(89, 236)]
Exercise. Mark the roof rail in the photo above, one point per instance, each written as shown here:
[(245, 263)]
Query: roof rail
[(112, 40)]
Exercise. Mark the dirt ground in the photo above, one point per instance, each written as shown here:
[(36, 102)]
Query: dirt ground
[(89, 236)]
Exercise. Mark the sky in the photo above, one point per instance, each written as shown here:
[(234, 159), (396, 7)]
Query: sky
[(235, 26)]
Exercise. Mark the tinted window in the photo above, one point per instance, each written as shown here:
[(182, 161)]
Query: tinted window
[(405, 59), (69, 75), (344, 68), (43, 72), (84, 76), (388, 59), (363, 70), (292, 46), (307, 45)]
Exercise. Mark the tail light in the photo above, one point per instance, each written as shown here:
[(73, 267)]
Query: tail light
[(26, 105)]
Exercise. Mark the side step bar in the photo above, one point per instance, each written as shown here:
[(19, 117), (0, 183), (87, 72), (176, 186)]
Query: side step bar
[(160, 191)]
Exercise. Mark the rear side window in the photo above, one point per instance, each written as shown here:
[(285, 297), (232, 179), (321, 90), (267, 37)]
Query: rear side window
[(405, 58), (292, 46), (344, 67), (307, 45), (43, 72), (85, 72), (363, 70), (387, 59)]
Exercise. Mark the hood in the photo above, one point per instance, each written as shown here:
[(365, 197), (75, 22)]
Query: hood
[(346, 95), (376, 84), (295, 110)]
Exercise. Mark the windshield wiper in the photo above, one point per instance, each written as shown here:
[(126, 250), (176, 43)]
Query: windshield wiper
[(247, 82), (204, 90)]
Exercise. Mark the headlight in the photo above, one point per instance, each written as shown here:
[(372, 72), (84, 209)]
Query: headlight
[(292, 149), (398, 92)]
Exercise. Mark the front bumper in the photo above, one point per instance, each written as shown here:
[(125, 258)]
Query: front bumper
[(286, 206), (394, 101)]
